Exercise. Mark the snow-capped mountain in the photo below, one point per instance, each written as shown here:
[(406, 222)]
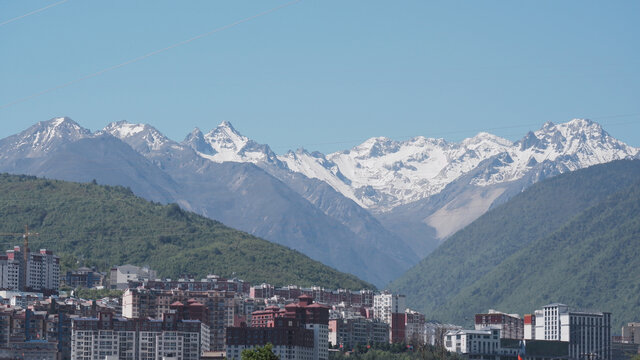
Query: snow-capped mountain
[(381, 174), (224, 144), (42, 138), (141, 137)]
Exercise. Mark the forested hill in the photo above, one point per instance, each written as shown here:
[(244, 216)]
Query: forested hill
[(90, 224), (572, 239)]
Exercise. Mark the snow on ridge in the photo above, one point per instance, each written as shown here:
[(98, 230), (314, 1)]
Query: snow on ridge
[(383, 173)]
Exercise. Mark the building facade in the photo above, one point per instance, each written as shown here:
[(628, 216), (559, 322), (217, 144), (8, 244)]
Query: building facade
[(304, 315), (108, 337), (42, 271), (350, 332), (511, 325), (588, 333)]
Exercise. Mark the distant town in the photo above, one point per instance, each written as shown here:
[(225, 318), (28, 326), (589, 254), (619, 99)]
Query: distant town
[(218, 318)]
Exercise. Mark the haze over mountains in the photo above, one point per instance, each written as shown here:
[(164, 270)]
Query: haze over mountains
[(382, 202)]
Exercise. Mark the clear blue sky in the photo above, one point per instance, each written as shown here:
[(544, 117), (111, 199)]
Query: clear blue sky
[(326, 75)]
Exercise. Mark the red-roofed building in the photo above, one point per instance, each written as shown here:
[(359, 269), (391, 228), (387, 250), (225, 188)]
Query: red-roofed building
[(305, 314)]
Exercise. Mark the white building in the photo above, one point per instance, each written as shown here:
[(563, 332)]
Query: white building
[(120, 276), (386, 304), (43, 271), (588, 333), (483, 344), (107, 337)]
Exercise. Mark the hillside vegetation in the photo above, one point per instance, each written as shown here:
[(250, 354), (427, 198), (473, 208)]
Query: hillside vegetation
[(567, 239), (90, 224)]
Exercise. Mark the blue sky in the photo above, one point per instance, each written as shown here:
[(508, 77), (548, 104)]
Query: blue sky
[(326, 75)]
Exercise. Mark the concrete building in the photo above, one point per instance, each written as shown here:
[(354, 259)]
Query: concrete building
[(414, 327), (352, 331), (481, 344), (120, 276), (304, 314), (43, 271), (84, 277), (588, 333), (108, 337), (631, 333), (386, 303), (290, 340), (390, 308), (220, 308), (511, 326), (488, 344)]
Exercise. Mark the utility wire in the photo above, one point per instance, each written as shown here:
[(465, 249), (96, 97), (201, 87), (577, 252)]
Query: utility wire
[(32, 12), (139, 58)]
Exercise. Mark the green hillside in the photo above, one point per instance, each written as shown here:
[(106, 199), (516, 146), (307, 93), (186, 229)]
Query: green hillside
[(449, 277), (592, 262), (90, 224)]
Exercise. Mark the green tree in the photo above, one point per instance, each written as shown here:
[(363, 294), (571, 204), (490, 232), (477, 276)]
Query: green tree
[(261, 353)]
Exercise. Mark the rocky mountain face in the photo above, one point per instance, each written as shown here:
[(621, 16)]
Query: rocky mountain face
[(382, 202)]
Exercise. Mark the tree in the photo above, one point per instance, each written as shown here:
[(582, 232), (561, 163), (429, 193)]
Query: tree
[(261, 353)]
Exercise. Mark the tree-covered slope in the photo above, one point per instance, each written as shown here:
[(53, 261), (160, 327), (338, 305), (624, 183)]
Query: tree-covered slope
[(469, 255), (104, 226), (591, 262)]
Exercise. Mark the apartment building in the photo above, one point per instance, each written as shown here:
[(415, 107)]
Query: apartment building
[(511, 326), (302, 320), (150, 303), (109, 337), (42, 271)]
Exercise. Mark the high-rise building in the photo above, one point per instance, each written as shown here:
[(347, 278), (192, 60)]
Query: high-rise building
[(387, 303), (303, 320), (42, 271), (588, 333), (108, 337), (390, 308), (220, 308), (351, 331)]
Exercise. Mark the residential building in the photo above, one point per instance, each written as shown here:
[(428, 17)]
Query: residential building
[(106, 337), (390, 308), (349, 332), (414, 327), (290, 340), (120, 276), (151, 303), (42, 271), (511, 325), (631, 333), (304, 314), (84, 277)]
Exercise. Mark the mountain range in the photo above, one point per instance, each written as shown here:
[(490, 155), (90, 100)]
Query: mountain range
[(382, 202)]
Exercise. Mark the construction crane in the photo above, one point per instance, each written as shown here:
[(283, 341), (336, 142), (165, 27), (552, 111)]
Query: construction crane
[(25, 251)]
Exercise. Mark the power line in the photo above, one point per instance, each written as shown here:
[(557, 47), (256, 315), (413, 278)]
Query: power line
[(142, 57), (32, 12)]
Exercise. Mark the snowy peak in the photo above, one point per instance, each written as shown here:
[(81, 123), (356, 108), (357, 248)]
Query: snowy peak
[(141, 137), (45, 136), (225, 143), (225, 139), (381, 173), (197, 142)]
